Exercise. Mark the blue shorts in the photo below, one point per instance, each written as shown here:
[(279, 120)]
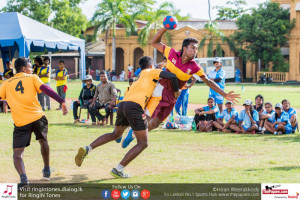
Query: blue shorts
[(219, 99), (288, 129), (245, 128)]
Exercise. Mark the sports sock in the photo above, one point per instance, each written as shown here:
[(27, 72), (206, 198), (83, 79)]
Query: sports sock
[(23, 178), (89, 148), (47, 169), (120, 168)]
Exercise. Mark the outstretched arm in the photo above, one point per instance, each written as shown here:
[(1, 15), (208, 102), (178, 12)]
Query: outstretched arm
[(229, 96), (48, 91), (156, 41)]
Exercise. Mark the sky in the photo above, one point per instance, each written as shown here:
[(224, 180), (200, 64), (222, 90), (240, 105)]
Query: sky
[(196, 8)]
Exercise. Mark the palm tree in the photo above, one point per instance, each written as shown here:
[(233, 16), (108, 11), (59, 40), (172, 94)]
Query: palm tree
[(112, 12), (154, 21), (106, 16), (213, 35)]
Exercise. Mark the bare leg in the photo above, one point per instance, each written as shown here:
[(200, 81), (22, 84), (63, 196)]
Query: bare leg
[(154, 123), (252, 128), (218, 125), (220, 107), (281, 127), (294, 120), (103, 139), (45, 151), (142, 143), (269, 127), (235, 128), (18, 160)]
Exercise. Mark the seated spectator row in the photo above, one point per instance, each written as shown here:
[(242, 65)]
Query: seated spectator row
[(252, 119)]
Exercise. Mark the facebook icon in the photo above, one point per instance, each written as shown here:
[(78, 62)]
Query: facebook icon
[(105, 194)]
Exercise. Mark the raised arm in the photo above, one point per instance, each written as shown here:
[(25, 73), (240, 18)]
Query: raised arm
[(156, 41)]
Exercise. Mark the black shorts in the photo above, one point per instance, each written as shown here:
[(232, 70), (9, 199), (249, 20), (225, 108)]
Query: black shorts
[(22, 134), (130, 113)]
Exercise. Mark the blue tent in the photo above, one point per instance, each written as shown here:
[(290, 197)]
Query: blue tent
[(18, 32)]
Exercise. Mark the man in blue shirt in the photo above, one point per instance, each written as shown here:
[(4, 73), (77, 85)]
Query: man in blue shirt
[(218, 76), (280, 122), (292, 113)]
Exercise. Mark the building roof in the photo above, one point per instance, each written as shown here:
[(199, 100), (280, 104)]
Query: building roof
[(222, 25)]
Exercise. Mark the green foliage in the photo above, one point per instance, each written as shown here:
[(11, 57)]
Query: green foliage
[(232, 11), (264, 32), (154, 18), (213, 35), (67, 16)]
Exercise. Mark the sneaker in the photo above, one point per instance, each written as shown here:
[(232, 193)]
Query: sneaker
[(58, 108), (128, 139), (115, 173), (23, 183), (82, 152), (275, 133), (118, 140), (46, 175), (263, 129), (279, 132), (76, 121)]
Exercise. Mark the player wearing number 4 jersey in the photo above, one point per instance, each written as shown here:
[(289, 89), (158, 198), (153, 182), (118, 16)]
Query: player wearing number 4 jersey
[(131, 112), (28, 116)]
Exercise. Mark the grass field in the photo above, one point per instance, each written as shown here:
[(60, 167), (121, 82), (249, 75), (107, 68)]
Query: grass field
[(172, 156)]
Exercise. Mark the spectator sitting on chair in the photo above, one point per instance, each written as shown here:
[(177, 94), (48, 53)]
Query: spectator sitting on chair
[(8, 72), (205, 116), (265, 116), (248, 119), (85, 98), (106, 95), (130, 83), (292, 114), (231, 117), (280, 123)]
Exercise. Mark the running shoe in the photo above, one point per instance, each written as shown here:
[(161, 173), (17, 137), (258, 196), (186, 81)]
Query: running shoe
[(115, 173), (128, 139), (46, 175), (118, 140), (82, 152)]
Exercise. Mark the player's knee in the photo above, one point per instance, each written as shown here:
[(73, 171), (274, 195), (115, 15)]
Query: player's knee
[(17, 156), (144, 144)]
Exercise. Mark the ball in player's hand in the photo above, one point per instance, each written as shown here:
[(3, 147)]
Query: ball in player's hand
[(170, 22)]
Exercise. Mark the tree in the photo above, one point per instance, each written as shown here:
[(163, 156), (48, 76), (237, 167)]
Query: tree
[(262, 33), (232, 10), (213, 36), (64, 15), (154, 18)]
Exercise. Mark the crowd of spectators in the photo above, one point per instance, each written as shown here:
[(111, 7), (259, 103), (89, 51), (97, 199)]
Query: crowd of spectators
[(259, 118)]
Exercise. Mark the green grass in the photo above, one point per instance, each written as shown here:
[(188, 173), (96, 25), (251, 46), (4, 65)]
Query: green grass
[(172, 156)]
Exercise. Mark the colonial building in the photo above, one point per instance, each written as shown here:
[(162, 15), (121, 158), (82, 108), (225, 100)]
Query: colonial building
[(294, 39)]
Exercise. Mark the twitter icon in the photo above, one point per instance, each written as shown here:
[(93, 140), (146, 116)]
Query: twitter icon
[(125, 194)]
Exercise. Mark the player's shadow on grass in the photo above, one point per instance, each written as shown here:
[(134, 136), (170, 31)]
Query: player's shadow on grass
[(52, 179), (289, 168), (78, 178)]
